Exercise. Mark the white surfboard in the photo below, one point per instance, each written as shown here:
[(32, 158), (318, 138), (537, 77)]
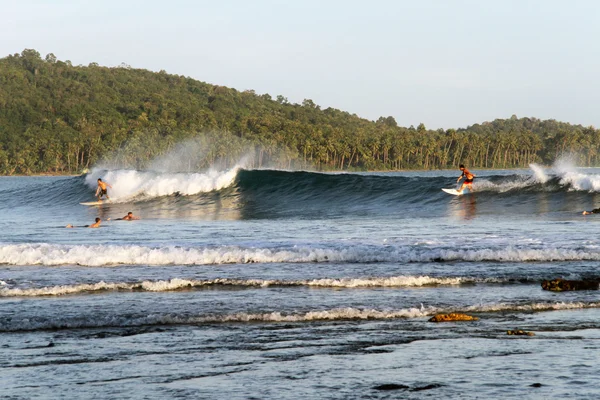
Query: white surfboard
[(95, 203), (452, 191)]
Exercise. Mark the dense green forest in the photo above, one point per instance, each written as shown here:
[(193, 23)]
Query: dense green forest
[(60, 118)]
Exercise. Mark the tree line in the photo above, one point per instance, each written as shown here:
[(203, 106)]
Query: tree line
[(59, 118)]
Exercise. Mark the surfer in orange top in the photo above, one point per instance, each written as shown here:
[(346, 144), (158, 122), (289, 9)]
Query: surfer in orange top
[(102, 191), (468, 179)]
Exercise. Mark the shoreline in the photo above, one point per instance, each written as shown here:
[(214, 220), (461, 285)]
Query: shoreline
[(38, 175), (50, 174)]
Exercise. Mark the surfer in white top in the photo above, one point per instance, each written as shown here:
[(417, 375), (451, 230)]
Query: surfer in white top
[(468, 182)]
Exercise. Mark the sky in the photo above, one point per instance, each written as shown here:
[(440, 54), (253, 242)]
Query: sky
[(443, 63)]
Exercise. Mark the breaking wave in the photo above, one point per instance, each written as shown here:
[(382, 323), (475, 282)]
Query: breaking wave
[(128, 185), (112, 255), (269, 194), (183, 284)]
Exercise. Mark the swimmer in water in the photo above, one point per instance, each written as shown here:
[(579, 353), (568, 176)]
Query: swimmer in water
[(96, 224), (128, 217)]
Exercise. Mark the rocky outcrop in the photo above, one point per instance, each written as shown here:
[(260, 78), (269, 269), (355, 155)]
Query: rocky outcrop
[(561, 285), (520, 332), (391, 386), (395, 386), (452, 317)]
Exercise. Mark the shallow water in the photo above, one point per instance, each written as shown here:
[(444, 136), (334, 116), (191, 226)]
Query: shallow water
[(273, 284)]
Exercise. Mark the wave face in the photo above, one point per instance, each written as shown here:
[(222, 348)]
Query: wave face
[(274, 193)]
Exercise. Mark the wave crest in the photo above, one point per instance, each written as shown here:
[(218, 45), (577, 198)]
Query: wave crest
[(130, 184)]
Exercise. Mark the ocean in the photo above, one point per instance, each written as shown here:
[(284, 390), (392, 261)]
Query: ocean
[(270, 284)]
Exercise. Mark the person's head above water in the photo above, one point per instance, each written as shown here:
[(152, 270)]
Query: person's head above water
[(99, 179), (129, 217), (461, 166)]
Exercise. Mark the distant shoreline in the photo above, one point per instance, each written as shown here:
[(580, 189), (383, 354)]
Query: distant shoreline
[(38, 175), (316, 171)]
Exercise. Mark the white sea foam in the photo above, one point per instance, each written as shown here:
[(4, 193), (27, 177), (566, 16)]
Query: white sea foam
[(563, 168), (539, 173), (131, 184), (581, 181), (155, 319), (109, 255), (569, 174), (542, 306), (394, 281), (178, 284), (344, 313), (519, 183)]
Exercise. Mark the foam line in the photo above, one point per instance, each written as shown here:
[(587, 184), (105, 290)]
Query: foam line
[(178, 284), (335, 314), (111, 255)]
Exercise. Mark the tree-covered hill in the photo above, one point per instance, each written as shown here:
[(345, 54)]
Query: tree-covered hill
[(60, 118)]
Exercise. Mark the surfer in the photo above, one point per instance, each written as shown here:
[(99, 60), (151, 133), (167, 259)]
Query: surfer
[(594, 211), (96, 224), (128, 217), (101, 190), (468, 179)]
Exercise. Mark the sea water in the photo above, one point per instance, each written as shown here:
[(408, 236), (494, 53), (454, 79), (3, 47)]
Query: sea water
[(254, 284)]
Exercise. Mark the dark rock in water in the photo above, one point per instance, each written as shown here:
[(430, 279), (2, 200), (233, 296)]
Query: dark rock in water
[(50, 344), (427, 387), (535, 385), (520, 332), (560, 285), (390, 386)]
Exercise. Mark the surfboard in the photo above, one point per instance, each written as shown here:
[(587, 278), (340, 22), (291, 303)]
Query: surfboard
[(95, 203), (452, 191)]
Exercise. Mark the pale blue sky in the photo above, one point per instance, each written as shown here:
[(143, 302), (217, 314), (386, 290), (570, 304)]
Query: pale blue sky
[(446, 63)]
